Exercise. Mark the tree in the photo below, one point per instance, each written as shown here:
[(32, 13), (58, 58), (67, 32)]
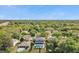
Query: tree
[(57, 34), (33, 32), (15, 35), (68, 34), (5, 40), (66, 46), (51, 45), (63, 45)]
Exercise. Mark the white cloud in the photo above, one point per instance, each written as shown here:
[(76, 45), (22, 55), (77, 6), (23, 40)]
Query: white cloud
[(11, 6), (56, 15)]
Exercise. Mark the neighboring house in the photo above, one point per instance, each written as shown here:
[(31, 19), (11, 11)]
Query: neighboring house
[(27, 38), (40, 42), (15, 41), (26, 32), (25, 43), (2, 51), (23, 46), (52, 38), (49, 34), (49, 29), (37, 34)]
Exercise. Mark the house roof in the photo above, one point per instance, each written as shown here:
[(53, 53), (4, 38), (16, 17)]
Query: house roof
[(15, 40), (24, 43), (27, 37), (25, 32), (39, 40)]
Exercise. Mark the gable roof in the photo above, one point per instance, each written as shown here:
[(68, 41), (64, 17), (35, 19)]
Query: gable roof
[(39, 40), (27, 37)]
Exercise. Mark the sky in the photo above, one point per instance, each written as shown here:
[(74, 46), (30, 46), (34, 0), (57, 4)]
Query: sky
[(39, 12)]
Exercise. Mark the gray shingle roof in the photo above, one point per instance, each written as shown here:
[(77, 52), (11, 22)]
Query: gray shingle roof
[(39, 40)]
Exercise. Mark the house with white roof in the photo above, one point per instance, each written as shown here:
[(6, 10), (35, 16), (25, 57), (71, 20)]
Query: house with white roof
[(23, 46)]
